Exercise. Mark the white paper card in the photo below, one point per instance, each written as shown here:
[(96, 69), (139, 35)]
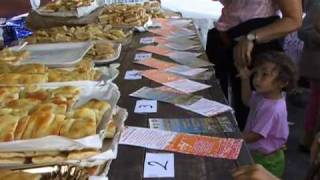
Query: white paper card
[(185, 70), (186, 85), (142, 56), (158, 165), (147, 138), (147, 40), (133, 75), (207, 107), (146, 106)]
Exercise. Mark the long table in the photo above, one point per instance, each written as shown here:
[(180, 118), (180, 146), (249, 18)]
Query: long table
[(130, 161)]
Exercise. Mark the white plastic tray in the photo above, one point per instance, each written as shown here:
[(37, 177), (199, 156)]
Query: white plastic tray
[(56, 54)]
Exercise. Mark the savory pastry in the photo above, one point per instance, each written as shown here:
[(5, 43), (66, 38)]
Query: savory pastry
[(16, 78), (8, 125), (83, 154), (11, 154), (82, 113), (111, 129), (101, 51), (14, 175), (40, 94), (76, 128), (48, 159), (51, 107), (43, 123), (64, 5), (13, 57), (14, 160), (8, 94), (100, 107), (30, 69), (23, 104)]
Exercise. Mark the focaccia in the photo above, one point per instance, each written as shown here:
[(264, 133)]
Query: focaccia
[(78, 128), (43, 123), (8, 125)]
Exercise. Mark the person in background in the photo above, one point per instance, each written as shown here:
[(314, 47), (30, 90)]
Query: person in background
[(12, 8), (267, 130), (309, 68), (246, 26)]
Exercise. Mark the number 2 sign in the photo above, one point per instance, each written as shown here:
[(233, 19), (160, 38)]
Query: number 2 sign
[(159, 165)]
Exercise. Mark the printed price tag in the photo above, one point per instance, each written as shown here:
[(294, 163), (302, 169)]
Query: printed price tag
[(142, 56), (147, 40), (133, 75), (159, 165), (146, 106)]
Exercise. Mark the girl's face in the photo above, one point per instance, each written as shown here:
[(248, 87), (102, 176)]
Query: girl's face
[(265, 78)]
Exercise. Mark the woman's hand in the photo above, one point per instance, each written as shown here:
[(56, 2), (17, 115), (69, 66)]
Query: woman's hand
[(253, 172), (242, 52)]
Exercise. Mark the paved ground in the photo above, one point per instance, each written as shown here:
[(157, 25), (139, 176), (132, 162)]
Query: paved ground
[(297, 162)]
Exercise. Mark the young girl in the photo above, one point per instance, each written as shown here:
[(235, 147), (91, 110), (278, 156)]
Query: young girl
[(266, 131)]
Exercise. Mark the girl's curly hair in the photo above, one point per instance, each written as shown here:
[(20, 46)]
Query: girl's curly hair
[(288, 72)]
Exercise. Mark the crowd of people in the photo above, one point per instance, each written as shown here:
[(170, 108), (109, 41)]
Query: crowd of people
[(246, 46)]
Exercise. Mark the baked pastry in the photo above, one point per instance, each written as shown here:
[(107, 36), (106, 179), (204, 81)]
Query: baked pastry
[(111, 129), (30, 69), (82, 113), (8, 94), (8, 125), (51, 107), (14, 175), (100, 107), (48, 159), (13, 57), (83, 154), (16, 78), (14, 160), (43, 123), (23, 104), (76, 128)]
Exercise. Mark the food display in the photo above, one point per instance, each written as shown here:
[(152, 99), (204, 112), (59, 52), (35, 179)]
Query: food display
[(65, 5), (76, 34), (13, 57), (124, 15)]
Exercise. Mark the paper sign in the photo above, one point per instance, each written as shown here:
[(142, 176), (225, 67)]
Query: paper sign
[(165, 96), (207, 107), (182, 54), (158, 165), (186, 85), (228, 148), (180, 47), (146, 106), (185, 70), (144, 137), (160, 76), (142, 56), (156, 50), (155, 63), (147, 40), (133, 75), (191, 61)]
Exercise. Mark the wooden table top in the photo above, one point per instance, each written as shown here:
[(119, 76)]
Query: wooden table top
[(130, 161)]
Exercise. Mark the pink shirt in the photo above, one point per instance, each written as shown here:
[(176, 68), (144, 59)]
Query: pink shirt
[(268, 118), (235, 12)]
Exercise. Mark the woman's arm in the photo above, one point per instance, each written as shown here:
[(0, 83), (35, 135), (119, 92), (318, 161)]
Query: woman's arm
[(251, 137), (291, 21)]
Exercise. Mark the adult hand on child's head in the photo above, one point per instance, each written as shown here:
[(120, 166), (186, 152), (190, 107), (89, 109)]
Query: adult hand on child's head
[(242, 52), (253, 172), (244, 72)]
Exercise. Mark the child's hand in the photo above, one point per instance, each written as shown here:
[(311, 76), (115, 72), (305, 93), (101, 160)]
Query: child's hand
[(244, 73)]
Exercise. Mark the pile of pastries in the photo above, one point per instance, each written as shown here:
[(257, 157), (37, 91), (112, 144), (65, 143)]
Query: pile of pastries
[(65, 5), (40, 73), (34, 113), (101, 51), (10, 56), (77, 33), (153, 9), (124, 15)]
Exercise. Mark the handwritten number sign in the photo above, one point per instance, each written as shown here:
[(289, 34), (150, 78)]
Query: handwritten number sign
[(159, 165)]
